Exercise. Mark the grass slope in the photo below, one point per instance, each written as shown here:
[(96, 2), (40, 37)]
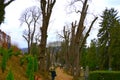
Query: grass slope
[(14, 64), (18, 71)]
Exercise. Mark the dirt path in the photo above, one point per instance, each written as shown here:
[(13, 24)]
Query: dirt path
[(62, 76)]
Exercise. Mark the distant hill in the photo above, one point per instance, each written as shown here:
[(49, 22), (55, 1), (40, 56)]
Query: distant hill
[(24, 50)]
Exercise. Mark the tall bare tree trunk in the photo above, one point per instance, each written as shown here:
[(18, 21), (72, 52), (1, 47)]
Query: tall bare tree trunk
[(72, 50), (66, 38), (46, 7), (79, 39), (78, 36)]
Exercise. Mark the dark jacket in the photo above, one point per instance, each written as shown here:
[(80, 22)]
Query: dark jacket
[(53, 73)]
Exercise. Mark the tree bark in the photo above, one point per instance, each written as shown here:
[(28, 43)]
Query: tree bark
[(78, 36), (46, 7), (79, 40)]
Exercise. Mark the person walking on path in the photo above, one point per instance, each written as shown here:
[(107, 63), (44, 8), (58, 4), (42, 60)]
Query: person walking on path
[(53, 73)]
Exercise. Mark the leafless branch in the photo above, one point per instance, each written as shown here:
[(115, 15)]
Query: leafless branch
[(87, 34), (6, 4), (74, 1)]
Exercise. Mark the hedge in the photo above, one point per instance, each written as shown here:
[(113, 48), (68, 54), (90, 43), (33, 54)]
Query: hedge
[(104, 75)]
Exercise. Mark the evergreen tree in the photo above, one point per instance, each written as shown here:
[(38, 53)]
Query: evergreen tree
[(10, 76), (4, 60), (114, 46), (84, 56), (35, 64), (109, 20), (30, 67), (92, 55)]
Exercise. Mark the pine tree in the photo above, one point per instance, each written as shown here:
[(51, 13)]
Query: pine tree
[(109, 19), (114, 46), (10, 76), (92, 55), (30, 67), (4, 60), (35, 64)]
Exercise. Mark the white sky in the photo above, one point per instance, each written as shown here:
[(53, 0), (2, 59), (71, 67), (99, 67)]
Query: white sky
[(59, 18)]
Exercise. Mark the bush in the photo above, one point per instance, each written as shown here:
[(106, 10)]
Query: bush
[(22, 60), (10, 76), (104, 75), (30, 68), (1, 51), (31, 77), (35, 64), (17, 53), (10, 52), (4, 61)]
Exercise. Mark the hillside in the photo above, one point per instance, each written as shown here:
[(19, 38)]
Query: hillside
[(18, 71), (14, 64)]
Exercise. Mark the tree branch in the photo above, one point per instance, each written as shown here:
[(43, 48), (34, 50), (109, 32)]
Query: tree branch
[(25, 38), (87, 34), (8, 3)]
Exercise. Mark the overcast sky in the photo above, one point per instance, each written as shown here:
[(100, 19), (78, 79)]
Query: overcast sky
[(59, 18)]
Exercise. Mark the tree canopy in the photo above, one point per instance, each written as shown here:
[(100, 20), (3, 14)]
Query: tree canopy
[(108, 28)]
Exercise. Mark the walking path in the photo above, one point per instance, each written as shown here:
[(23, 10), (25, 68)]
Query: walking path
[(61, 75)]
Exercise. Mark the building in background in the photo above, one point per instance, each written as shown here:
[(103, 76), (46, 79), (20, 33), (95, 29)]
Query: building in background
[(54, 48), (5, 40)]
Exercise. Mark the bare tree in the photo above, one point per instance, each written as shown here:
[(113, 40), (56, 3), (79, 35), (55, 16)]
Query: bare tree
[(79, 39), (65, 45), (3, 5), (71, 50), (37, 38), (31, 17), (46, 7)]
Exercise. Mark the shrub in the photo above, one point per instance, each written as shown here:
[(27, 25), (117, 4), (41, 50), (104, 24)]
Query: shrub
[(4, 61), (10, 52), (104, 75), (17, 53), (10, 76), (35, 64), (1, 51), (30, 68), (22, 60), (31, 77)]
